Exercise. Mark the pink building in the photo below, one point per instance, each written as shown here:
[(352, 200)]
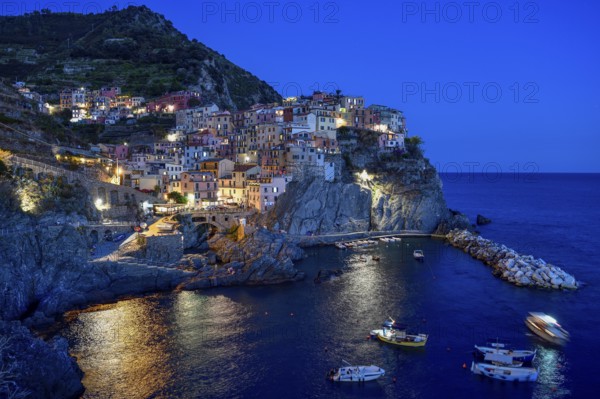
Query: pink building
[(121, 151), (172, 102), (201, 186)]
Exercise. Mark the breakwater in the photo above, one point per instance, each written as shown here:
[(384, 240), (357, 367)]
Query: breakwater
[(522, 270)]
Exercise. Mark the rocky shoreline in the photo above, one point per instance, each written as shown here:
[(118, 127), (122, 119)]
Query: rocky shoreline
[(521, 270)]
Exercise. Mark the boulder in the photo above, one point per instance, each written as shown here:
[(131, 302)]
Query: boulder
[(524, 280), (482, 220)]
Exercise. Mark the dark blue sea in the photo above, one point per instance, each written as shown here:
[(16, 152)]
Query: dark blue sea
[(279, 341)]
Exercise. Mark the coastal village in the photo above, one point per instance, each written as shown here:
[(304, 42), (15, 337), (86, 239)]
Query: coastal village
[(214, 157)]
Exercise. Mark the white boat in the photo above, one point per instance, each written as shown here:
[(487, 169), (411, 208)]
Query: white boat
[(547, 328), (516, 354), (498, 359), (505, 373), (385, 239), (418, 254), (340, 245), (355, 373)]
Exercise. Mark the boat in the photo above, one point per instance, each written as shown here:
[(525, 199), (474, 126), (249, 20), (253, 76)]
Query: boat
[(401, 338), (376, 258), (385, 239), (391, 323), (498, 359), (519, 355), (503, 372), (418, 254), (547, 328), (340, 245), (350, 373)]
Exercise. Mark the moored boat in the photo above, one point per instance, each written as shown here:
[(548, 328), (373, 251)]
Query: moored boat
[(350, 373), (504, 373), (519, 355), (391, 323), (547, 328), (401, 338), (340, 245), (418, 254)]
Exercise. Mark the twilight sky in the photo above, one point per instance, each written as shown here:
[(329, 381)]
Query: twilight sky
[(489, 85)]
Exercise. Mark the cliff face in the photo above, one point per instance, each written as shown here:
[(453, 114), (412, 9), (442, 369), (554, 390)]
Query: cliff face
[(408, 197), (46, 272), (395, 192), (321, 207)]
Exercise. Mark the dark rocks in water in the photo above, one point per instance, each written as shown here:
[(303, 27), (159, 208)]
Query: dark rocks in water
[(481, 220), (41, 369), (456, 220), (327, 274)]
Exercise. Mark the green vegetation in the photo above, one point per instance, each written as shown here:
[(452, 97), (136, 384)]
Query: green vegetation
[(177, 197), (134, 48), (413, 146)]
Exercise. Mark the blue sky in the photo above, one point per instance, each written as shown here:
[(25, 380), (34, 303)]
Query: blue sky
[(489, 85)]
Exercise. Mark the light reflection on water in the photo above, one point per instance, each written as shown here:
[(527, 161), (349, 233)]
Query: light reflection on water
[(552, 367), (277, 341), (123, 348)]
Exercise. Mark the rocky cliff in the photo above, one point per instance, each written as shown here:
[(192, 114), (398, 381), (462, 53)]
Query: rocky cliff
[(30, 367), (375, 191)]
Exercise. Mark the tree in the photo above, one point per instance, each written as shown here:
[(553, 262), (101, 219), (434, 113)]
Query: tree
[(177, 197), (413, 146)]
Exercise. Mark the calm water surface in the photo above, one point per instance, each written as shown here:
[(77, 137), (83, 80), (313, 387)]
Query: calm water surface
[(279, 341)]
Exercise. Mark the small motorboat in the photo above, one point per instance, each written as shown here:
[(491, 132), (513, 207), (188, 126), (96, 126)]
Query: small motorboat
[(350, 373), (401, 338), (418, 254), (340, 245), (504, 373), (391, 323), (547, 328), (524, 356)]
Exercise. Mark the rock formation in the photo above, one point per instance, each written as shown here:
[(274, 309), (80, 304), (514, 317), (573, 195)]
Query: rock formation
[(482, 220), (523, 270), (260, 258), (373, 191), (36, 369)]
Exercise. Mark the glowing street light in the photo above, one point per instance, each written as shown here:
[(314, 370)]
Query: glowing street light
[(364, 176)]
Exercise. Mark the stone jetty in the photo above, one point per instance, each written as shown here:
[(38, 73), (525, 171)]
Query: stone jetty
[(521, 270)]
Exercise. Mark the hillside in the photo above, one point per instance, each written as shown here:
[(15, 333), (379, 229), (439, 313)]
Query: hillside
[(135, 48)]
